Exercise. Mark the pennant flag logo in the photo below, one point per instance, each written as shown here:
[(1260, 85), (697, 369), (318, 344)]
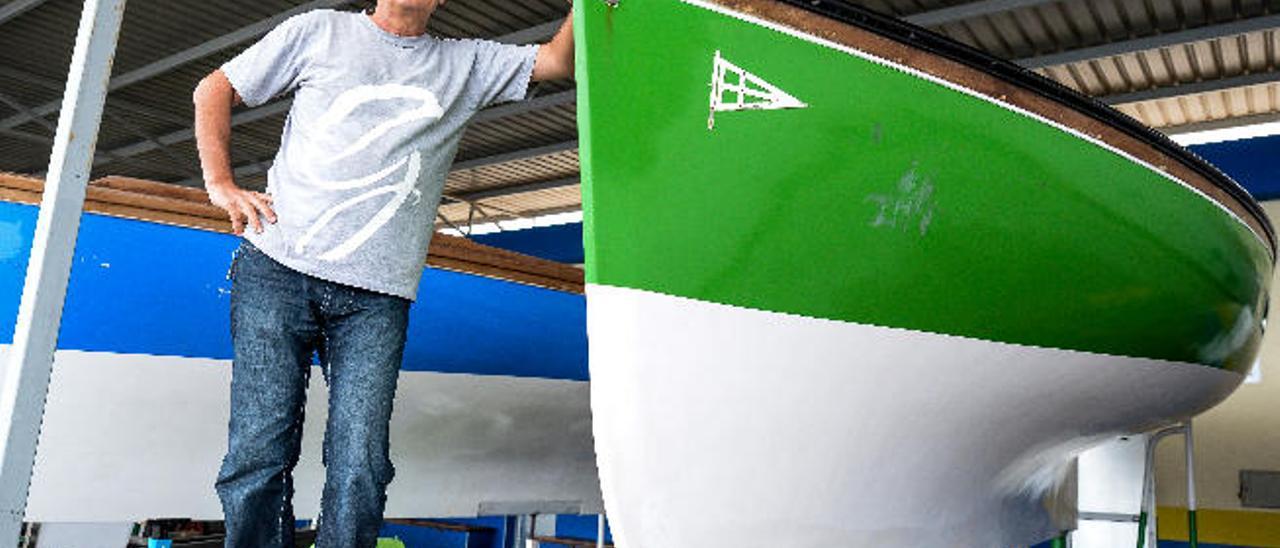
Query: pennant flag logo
[(734, 89)]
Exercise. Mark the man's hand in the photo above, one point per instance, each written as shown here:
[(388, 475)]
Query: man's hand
[(213, 100), (242, 206)]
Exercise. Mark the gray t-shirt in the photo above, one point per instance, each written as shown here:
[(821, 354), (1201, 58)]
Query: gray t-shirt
[(373, 129)]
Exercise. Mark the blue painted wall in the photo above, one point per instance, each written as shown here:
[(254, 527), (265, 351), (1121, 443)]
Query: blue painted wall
[(1251, 162), (561, 243), (581, 528), (491, 533)]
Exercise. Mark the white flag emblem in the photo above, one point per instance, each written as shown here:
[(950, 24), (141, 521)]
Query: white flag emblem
[(733, 89)]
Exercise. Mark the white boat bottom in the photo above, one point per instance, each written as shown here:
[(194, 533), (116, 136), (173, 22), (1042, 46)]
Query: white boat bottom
[(723, 426), (131, 437)]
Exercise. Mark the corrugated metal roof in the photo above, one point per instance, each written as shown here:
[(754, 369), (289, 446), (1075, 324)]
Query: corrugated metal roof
[(1172, 64), (557, 165), (514, 206)]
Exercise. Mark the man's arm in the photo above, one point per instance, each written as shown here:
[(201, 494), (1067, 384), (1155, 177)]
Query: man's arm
[(555, 58), (213, 99)]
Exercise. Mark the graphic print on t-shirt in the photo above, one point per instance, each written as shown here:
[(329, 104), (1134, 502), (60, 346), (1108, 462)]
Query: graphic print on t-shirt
[(343, 106)]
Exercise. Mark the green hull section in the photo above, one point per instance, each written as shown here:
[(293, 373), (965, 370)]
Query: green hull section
[(889, 199)]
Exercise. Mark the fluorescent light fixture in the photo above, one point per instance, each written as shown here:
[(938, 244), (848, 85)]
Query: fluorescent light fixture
[(1227, 134), (520, 224)]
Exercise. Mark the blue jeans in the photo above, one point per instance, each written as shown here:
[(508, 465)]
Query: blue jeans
[(278, 318)]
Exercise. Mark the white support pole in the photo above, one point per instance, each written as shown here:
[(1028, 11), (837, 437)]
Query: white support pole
[(600, 531), (1147, 517), (1192, 531), (1191, 469), (26, 378)]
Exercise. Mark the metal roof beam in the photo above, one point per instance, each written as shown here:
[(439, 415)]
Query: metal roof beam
[(514, 156), (33, 79), (186, 56), (28, 137), (538, 32), (970, 10), (220, 43), (535, 33), (100, 156), (1224, 123), (517, 189), (187, 134), (1206, 86), (16, 8), (116, 102), (522, 107), (1146, 43), (256, 168), (179, 164), (281, 107), (23, 109)]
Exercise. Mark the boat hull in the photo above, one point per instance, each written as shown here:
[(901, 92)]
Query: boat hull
[(725, 426), (491, 410), (836, 299)]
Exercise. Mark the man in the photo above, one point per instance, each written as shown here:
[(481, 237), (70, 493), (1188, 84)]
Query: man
[(333, 251)]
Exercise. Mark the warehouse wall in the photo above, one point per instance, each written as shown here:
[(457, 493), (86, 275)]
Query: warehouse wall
[(1243, 433)]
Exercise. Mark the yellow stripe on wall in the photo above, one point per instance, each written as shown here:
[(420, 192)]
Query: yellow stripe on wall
[(1241, 527)]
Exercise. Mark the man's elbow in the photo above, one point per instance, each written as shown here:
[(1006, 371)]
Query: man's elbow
[(567, 66), (212, 88), (198, 93), (561, 70), (204, 91), (554, 67)]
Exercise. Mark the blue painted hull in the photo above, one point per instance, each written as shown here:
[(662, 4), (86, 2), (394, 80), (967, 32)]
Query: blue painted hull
[(491, 408), (145, 288)]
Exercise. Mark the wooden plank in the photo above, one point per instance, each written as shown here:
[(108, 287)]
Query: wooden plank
[(445, 246), (188, 207), (159, 203), (20, 182), (153, 188), (490, 271)]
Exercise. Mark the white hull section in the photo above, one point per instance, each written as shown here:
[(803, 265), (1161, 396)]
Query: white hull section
[(131, 437), (723, 426)]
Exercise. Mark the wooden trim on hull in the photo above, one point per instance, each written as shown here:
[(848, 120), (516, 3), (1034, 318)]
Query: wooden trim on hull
[(1101, 122), (189, 207)]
